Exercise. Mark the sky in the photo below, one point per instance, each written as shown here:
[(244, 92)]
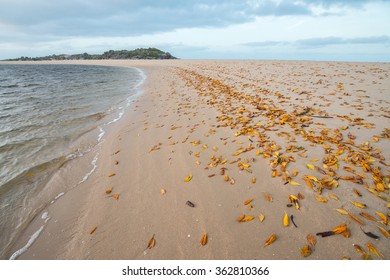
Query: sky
[(336, 30)]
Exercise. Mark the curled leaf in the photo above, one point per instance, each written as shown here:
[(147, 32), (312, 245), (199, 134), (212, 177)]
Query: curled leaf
[(285, 219), (306, 251), (152, 242), (360, 205), (188, 178), (246, 202), (340, 229), (92, 230), (270, 240), (203, 241)]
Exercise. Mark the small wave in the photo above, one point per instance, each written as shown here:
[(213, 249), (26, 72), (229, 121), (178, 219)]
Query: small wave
[(28, 245), (57, 197), (101, 134), (94, 166)]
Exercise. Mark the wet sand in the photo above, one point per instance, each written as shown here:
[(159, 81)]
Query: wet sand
[(246, 135)]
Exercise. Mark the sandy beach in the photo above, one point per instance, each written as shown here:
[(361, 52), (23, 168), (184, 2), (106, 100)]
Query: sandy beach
[(254, 155)]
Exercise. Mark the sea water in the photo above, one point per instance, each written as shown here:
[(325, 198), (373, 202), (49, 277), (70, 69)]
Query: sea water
[(44, 109)]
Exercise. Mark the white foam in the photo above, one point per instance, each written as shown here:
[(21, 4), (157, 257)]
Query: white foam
[(57, 197), (45, 215), (29, 243), (101, 134), (94, 165)]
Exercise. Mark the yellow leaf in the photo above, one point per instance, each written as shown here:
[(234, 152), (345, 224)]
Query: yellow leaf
[(261, 217), (111, 174), (306, 251), (294, 183), (342, 211), (310, 166), (188, 178), (152, 242), (285, 219), (360, 205), (226, 177), (248, 218), (340, 229), (314, 160), (204, 239), (92, 230), (241, 218), (321, 199), (382, 216), (248, 201), (270, 240), (332, 196), (253, 180), (384, 231), (294, 173), (163, 191), (372, 249), (197, 162), (359, 249)]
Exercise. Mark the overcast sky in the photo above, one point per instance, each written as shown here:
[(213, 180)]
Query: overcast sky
[(354, 30)]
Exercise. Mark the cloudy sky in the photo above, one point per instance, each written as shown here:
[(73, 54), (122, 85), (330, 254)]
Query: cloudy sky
[(353, 30)]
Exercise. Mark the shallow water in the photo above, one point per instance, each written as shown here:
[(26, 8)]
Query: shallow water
[(44, 109)]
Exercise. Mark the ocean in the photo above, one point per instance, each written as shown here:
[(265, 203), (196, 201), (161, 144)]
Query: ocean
[(44, 110)]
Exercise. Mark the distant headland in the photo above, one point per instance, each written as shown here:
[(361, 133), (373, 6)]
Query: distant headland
[(141, 53)]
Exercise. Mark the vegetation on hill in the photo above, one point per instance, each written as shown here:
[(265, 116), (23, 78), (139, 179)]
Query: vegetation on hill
[(142, 53)]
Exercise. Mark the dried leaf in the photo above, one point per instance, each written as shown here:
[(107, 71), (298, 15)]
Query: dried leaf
[(314, 160), (270, 240), (384, 231), (356, 219), (306, 251), (285, 219), (226, 177), (359, 249), (152, 242), (321, 199), (248, 201), (188, 178), (92, 230), (247, 218), (342, 211), (340, 229), (367, 216), (268, 197), (334, 197), (111, 174), (294, 173), (116, 196), (204, 239), (241, 218), (310, 166), (163, 191), (261, 217), (253, 180), (372, 249), (312, 240), (294, 183), (109, 190), (360, 205), (382, 216), (357, 192)]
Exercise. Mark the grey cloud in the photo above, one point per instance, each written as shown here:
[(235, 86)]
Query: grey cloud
[(136, 17), (323, 41)]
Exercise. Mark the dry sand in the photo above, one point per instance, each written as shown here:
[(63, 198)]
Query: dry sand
[(188, 120)]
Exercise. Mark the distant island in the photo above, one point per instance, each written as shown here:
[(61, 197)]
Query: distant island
[(141, 53)]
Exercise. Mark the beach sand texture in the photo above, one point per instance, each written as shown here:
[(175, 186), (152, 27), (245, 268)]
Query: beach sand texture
[(250, 153)]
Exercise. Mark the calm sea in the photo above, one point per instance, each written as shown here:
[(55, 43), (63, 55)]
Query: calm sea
[(44, 109)]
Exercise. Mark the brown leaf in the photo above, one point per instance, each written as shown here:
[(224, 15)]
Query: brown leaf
[(360, 205), (270, 240), (111, 174), (384, 231), (163, 191), (367, 216), (248, 218), (372, 249), (306, 251), (248, 201), (340, 229), (152, 242), (109, 190), (204, 239), (92, 230), (116, 196), (312, 240), (241, 218)]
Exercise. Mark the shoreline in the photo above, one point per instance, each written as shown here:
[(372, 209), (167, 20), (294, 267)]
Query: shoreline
[(157, 144)]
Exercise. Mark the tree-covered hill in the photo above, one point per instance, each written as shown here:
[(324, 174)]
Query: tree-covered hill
[(142, 53)]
